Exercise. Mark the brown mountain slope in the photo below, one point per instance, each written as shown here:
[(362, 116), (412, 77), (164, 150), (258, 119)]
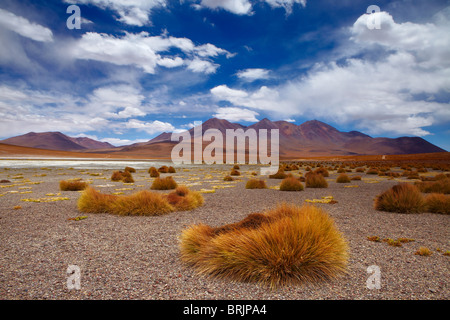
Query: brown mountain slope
[(55, 141)]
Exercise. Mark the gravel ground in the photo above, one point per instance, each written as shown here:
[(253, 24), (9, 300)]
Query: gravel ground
[(138, 257)]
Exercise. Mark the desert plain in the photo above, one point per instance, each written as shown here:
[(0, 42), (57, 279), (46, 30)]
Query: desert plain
[(138, 257)]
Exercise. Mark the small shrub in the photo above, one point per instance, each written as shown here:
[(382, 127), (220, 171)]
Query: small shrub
[(236, 167), (67, 185), (315, 181), (142, 203), (402, 198), (228, 178), (171, 170), (438, 203), (256, 184), (279, 175), (234, 172), (117, 176), (154, 173), (343, 178), (291, 184), (323, 171), (163, 169), (265, 248), (166, 183), (374, 239), (372, 171), (438, 186), (423, 251), (130, 169)]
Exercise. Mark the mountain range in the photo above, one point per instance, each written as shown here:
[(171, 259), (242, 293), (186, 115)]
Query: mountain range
[(309, 139)]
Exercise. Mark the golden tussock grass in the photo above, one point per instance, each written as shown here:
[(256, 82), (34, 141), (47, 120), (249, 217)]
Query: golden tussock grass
[(255, 184), (438, 203), (124, 176), (314, 180), (166, 183), (401, 198), (67, 185), (343, 178), (153, 172), (279, 175), (142, 203), (441, 185), (285, 245), (423, 251), (291, 184)]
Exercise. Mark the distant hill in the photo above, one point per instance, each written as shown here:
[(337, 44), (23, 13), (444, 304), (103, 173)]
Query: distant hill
[(309, 139), (315, 138), (56, 141)]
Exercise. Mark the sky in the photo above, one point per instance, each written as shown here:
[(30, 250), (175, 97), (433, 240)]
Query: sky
[(134, 69)]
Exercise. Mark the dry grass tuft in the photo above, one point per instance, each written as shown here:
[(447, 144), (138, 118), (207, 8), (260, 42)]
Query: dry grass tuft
[(235, 172), (279, 175), (255, 184), (166, 183), (286, 245), (130, 169), (441, 185), (124, 176), (291, 184), (228, 178), (438, 203), (423, 251), (314, 180), (343, 178), (401, 198), (153, 172), (142, 203), (67, 185)]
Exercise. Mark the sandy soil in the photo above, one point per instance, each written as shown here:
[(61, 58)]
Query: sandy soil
[(138, 257)]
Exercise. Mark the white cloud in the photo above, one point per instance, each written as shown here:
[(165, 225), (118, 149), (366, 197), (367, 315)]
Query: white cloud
[(121, 142), (144, 51), (392, 94), (131, 12), (236, 114), (253, 74), (241, 7), (152, 127), (286, 4), (202, 66), (24, 27)]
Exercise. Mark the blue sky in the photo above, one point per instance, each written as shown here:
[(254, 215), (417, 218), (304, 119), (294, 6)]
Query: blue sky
[(138, 68)]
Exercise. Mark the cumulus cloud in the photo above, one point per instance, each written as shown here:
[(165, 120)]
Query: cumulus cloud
[(241, 7), (236, 114), (131, 12), (393, 93), (253, 74), (150, 127), (286, 4), (24, 27), (144, 51)]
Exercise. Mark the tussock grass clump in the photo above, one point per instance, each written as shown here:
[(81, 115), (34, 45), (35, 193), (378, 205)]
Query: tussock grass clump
[(124, 176), (234, 172), (228, 178), (314, 180), (72, 185), (438, 203), (164, 169), (357, 178), (438, 186), (343, 178), (279, 175), (171, 170), (372, 171), (291, 184), (323, 171), (154, 173), (166, 183), (5, 181), (130, 169), (142, 203), (184, 199), (286, 245), (256, 184), (423, 251), (401, 198)]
